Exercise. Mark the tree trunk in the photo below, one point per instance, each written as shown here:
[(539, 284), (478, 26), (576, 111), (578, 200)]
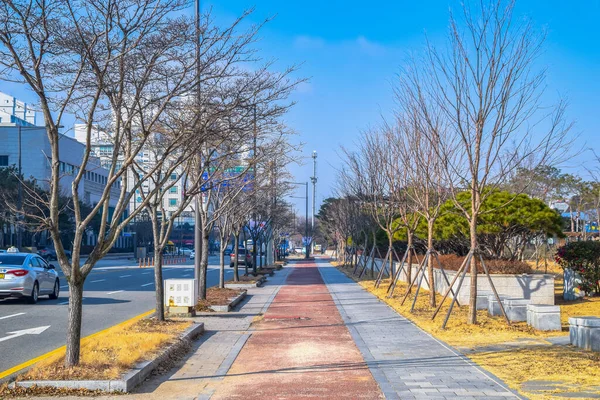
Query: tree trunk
[(222, 264), (236, 274), (158, 283), (409, 260), (74, 321), (204, 264), (390, 254), (472, 319), (430, 277), (254, 247)]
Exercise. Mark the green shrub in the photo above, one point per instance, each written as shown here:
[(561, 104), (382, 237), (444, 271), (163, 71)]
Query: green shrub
[(583, 258)]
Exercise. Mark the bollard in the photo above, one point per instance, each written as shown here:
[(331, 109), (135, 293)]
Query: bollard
[(140, 262)]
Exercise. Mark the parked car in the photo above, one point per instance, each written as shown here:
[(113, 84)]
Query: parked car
[(192, 255), (27, 276), (49, 254), (228, 251), (244, 257)]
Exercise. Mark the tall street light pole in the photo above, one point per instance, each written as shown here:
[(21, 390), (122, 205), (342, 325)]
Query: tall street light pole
[(198, 199), (313, 179), (306, 243), (20, 196)]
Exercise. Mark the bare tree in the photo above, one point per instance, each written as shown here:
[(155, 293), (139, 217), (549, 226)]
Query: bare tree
[(92, 59), (489, 94)]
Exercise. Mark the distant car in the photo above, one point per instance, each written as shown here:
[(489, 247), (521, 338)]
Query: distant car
[(192, 255), (244, 257), (184, 250), (228, 251), (49, 254), (27, 276), (2, 251)]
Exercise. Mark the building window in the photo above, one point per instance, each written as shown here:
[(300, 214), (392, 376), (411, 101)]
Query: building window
[(173, 202), (173, 177), (173, 189), (3, 161)]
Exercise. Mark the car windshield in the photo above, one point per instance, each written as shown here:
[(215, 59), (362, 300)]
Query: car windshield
[(7, 259)]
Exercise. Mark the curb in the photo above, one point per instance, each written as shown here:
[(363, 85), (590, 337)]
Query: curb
[(240, 285), (232, 303), (131, 379)]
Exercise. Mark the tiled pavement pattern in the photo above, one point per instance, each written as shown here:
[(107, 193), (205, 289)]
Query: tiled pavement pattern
[(198, 375), (406, 362)]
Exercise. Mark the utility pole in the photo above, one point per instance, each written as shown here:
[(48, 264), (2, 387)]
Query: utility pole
[(198, 199), (306, 255), (313, 179), (20, 198)]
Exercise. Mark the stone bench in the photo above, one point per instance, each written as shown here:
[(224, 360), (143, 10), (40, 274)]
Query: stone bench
[(544, 317), (482, 299), (584, 332), (493, 306), (516, 309)]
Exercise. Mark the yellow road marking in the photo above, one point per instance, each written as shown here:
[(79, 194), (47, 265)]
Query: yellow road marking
[(26, 364)]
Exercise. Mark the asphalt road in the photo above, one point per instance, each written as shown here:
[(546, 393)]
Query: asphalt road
[(116, 290)]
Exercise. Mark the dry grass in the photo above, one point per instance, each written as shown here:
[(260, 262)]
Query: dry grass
[(576, 369), (112, 352), (488, 330)]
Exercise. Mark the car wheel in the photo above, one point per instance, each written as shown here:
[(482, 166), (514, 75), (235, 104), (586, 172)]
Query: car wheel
[(56, 291), (35, 293)]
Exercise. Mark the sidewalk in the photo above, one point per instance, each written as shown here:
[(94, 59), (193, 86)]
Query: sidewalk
[(300, 349), (312, 332), (407, 362)]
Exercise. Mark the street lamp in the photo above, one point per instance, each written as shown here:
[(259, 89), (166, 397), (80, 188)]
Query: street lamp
[(306, 245)]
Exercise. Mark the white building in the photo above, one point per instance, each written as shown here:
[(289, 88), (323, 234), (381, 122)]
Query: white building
[(35, 153), (14, 111), (103, 148)]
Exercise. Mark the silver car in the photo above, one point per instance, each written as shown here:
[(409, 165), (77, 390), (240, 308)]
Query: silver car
[(27, 275)]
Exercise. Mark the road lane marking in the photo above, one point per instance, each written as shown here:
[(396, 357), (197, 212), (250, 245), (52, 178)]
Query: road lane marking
[(186, 275), (63, 303), (31, 331), (64, 286), (116, 291), (148, 284), (16, 368), (98, 280), (14, 315), (124, 276), (145, 273)]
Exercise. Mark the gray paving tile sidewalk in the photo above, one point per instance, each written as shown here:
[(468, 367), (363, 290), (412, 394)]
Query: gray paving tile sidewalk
[(407, 362)]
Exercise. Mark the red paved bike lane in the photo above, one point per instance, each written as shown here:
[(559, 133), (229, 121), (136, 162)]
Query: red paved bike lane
[(300, 349)]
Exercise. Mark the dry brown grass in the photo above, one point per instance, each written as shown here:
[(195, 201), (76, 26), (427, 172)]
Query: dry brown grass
[(488, 330), (110, 353), (577, 370)]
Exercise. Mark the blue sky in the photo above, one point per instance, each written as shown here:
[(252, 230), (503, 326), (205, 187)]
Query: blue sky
[(352, 50)]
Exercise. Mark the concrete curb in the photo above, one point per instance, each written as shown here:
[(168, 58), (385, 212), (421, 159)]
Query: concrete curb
[(242, 285), (130, 379), (232, 303)]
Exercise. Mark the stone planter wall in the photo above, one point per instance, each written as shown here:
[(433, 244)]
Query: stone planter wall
[(539, 288)]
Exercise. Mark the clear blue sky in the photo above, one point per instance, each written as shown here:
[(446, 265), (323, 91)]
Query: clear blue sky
[(352, 50)]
